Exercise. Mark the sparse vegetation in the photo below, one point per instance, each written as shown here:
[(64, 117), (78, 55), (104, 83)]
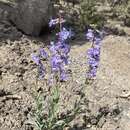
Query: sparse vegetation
[(77, 81)]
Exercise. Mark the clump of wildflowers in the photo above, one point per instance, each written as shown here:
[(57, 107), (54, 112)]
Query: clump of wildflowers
[(93, 54), (59, 53)]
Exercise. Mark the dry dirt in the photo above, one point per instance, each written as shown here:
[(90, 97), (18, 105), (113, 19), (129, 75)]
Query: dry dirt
[(106, 102)]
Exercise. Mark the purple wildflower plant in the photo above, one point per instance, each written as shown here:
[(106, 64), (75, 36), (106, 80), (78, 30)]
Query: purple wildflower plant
[(59, 54), (37, 60), (93, 54)]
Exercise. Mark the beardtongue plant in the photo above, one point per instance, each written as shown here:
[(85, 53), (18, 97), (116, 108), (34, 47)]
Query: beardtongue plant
[(58, 59), (93, 54)]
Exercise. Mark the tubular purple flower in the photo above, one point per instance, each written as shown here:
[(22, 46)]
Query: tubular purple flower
[(96, 51), (64, 34), (36, 59), (93, 62), (41, 71), (93, 52), (52, 22), (41, 68), (43, 53), (63, 76), (55, 63), (90, 35), (66, 48)]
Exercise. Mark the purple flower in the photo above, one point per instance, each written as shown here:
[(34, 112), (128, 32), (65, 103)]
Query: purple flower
[(63, 47), (92, 73), (97, 41), (90, 35), (63, 76), (43, 53), (66, 48), (52, 22), (55, 63), (90, 52), (64, 51), (64, 34), (93, 62), (41, 68), (36, 59), (96, 52), (41, 71), (65, 59), (93, 52)]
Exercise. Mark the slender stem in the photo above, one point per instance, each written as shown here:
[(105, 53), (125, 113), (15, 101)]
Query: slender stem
[(93, 42)]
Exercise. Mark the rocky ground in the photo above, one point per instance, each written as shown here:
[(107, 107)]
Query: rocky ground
[(106, 101)]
